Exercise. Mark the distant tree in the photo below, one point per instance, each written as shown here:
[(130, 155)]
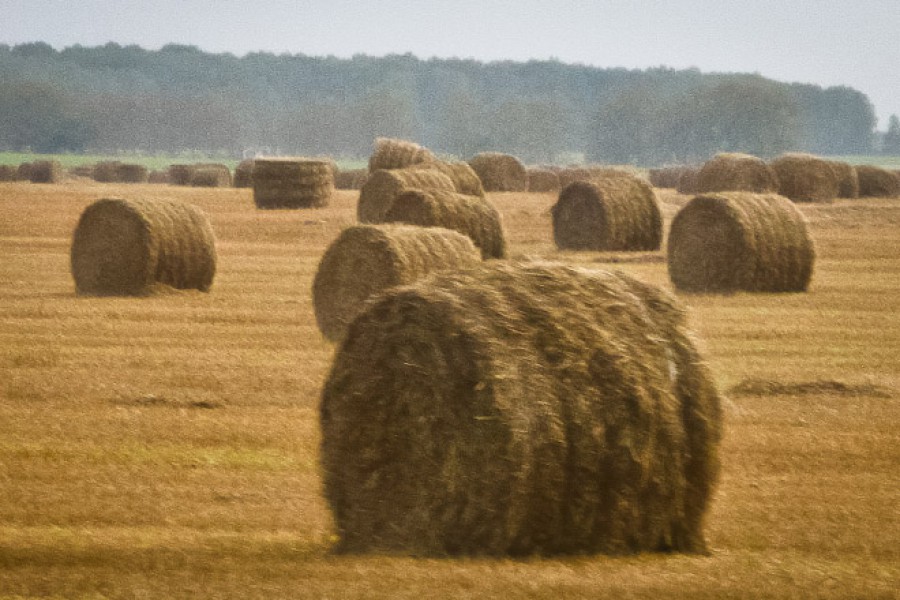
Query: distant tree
[(891, 140), (38, 116)]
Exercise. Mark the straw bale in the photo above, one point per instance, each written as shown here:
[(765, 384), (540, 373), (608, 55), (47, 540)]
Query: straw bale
[(158, 177), (23, 172), (210, 177), (350, 179), (367, 259), (392, 153), (500, 172), (180, 174), (877, 182), (8, 173), (135, 247), (292, 182), (805, 178), (687, 182), (384, 185), (465, 179), (848, 181), (736, 172), (542, 180), (666, 177), (132, 173), (591, 172), (46, 171), (243, 174), (517, 409), (470, 215), (740, 241), (612, 213), (106, 171)]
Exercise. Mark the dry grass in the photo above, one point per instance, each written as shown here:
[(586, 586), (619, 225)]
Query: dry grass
[(168, 446)]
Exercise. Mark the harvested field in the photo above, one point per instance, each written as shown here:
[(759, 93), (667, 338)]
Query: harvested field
[(168, 446)]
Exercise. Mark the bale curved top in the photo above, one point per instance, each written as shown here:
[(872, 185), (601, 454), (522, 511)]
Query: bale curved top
[(848, 181), (392, 153), (520, 409), (591, 172), (740, 241), (736, 172), (500, 172), (542, 180), (384, 185), (805, 178), (470, 215), (613, 213), (463, 176), (367, 259), (127, 247)]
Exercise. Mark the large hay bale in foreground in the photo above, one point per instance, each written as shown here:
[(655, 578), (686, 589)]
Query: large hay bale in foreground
[(736, 172), (739, 241), (613, 213), (384, 185), (520, 409), (805, 178), (470, 215), (542, 180), (367, 259), (46, 171), (292, 182), (463, 176), (392, 153), (500, 172), (133, 247), (877, 182), (848, 181)]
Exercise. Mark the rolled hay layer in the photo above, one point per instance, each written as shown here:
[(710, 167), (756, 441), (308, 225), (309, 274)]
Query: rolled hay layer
[(292, 182), (736, 172), (739, 241), (367, 259), (470, 215), (132, 173), (9, 173), (243, 174), (500, 172), (805, 178), (392, 153), (848, 181), (877, 182), (350, 179), (46, 171), (613, 213), (463, 176), (135, 247), (384, 185), (518, 409), (542, 180)]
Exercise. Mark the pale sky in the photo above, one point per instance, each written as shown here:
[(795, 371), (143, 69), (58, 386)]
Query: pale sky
[(825, 42)]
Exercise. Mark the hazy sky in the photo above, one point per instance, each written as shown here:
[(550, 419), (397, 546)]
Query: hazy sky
[(826, 42)]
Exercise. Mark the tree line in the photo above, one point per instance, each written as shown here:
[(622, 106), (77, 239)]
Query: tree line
[(116, 98)]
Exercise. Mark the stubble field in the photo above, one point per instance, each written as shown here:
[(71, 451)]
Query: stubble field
[(168, 446)]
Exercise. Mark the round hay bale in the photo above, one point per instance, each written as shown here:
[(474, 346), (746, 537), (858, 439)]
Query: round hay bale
[(46, 171), (23, 172), (134, 247), (470, 215), (391, 153), (158, 177), (591, 172), (367, 259), (848, 181), (180, 174), (292, 182), (210, 177), (736, 172), (613, 213), (243, 174), (500, 172), (739, 241), (805, 178), (517, 409), (8, 173), (350, 179), (383, 186), (877, 182), (131, 173), (542, 180), (106, 171), (687, 181), (666, 177), (465, 179)]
